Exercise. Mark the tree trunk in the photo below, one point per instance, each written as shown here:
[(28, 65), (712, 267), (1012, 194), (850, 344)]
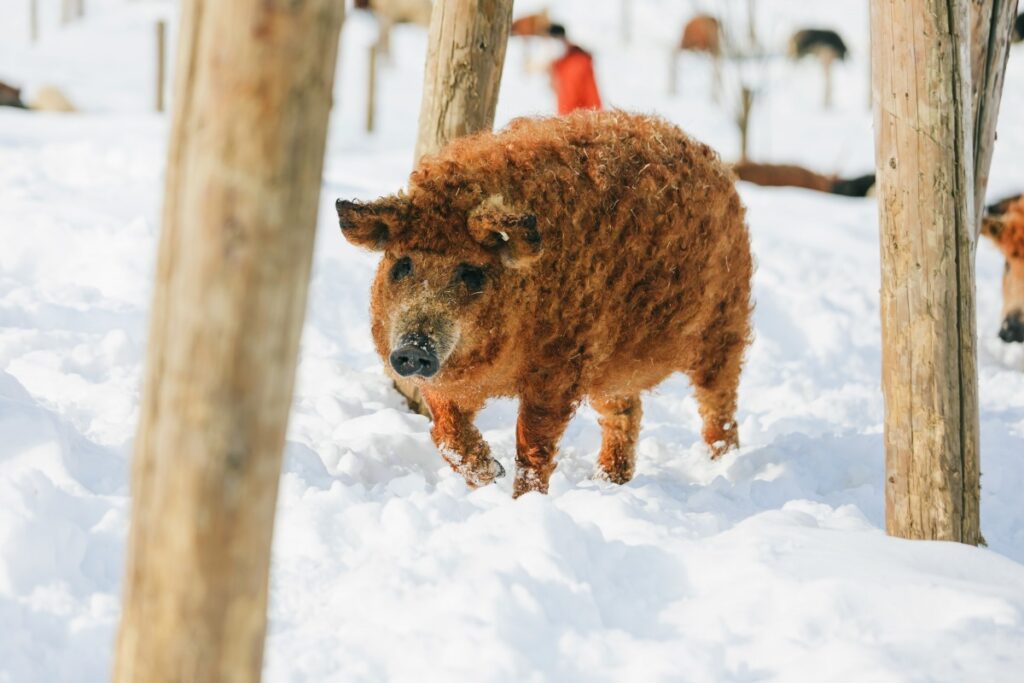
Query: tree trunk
[(746, 105), (161, 64), (252, 93), (826, 65), (991, 31), (371, 87), (465, 57), (464, 60), (925, 166), (625, 21), (33, 20)]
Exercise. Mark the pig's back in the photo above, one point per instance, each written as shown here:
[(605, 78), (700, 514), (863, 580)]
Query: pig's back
[(640, 225)]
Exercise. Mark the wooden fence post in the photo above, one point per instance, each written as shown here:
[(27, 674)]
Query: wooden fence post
[(33, 20), (371, 88), (826, 65), (925, 165), (161, 63), (465, 56), (991, 30), (245, 158), (625, 21)]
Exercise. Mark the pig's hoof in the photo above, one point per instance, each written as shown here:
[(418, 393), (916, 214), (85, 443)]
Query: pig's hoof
[(721, 440), (721, 447), (615, 475), (528, 480), (484, 474)]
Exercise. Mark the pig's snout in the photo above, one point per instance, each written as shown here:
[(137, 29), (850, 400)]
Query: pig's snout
[(1012, 329), (415, 355)]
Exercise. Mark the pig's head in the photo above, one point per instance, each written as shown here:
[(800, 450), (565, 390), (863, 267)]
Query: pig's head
[(440, 300), (1007, 231)]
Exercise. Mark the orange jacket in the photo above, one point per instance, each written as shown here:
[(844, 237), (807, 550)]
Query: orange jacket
[(572, 76)]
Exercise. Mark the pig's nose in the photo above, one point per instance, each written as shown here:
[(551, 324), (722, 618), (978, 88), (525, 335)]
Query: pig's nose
[(1013, 328), (415, 356)]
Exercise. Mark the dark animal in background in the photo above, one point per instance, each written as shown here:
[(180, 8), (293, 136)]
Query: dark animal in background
[(861, 186), (584, 257), (1018, 29), (10, 96), (789, 175), (826, 46), (1004, 225), (818, 43)]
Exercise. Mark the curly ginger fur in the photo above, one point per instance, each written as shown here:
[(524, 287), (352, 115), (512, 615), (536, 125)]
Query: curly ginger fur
[(615, 253)]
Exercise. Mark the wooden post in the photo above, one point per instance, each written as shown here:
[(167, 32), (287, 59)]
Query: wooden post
[(464, 60), (625, 20), (826, 64), (161, 63), (79, 9), (716, 76), (465, 56), (371, 88), (991, 35), (673, 71), (746, 104), (245, 157), (33, 20), (925, 166), (67, 11)]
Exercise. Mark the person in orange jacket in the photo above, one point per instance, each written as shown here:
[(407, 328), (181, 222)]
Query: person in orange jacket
[(572, 76)]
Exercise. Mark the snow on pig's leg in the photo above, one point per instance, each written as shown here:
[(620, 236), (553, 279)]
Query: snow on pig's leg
[(460, 442)]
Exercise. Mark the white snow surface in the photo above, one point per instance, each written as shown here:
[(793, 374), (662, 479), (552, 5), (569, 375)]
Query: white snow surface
[(769, 565)]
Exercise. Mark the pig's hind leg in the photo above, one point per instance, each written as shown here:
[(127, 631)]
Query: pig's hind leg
[(619, 417), (460, 442), (716, 379)]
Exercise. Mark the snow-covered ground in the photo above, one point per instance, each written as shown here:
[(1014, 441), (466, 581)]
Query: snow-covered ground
[(768, 565)]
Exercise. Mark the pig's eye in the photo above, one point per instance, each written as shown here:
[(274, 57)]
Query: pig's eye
[(401, 269), (471, 276)]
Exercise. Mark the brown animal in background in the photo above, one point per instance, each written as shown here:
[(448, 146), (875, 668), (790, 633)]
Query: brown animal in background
[(703, 33), (527, 28), (391, 12), (789, 175), (10, 96), (782, 175), (532, 25), (1004, 225), (582, 257)]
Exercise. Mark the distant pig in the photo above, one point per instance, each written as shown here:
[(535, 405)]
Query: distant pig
[(561, 259)]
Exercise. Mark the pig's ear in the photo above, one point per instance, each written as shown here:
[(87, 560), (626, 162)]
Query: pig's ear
[(373, 225), (992, 227), (509, 232)]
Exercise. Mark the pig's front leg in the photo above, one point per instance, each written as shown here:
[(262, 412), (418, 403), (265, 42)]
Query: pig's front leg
[(541, 424), (460, 442)]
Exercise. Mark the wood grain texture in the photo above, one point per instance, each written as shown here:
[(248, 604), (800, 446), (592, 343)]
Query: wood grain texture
[(925, 164), (991, 34), (465, 58), (251, 99)]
